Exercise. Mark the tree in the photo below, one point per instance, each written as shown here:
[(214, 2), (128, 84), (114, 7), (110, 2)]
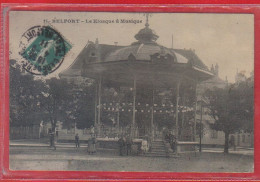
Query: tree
[(231, 107), (56, 97), (25, 97), (33, 100), (79, 106), (245, 90)]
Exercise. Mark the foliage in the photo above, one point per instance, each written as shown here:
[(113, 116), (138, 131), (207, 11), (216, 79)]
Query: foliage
[(246, 104), (33, 100), (80, 106), (68, 103), (26, 94), (55, 99), (232, 108)]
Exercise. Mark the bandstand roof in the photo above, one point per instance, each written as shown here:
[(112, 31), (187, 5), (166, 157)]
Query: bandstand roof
[(144, 60)]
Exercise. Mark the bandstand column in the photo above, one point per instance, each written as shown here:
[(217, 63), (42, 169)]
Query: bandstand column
[(118, 116), (152, 115), (118, 113), (99, 104), (96, 96), (183, 115), (195, 112), (176, 111), (134, 98)]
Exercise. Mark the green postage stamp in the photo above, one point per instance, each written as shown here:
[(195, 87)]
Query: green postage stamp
[(43, 50)]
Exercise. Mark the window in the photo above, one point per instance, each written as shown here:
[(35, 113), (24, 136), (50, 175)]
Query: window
[(214, 134)]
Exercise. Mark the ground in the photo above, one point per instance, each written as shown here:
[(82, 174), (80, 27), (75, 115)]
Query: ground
[(69, 158)]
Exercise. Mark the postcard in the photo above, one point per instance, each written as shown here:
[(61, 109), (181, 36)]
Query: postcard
[(131, 91)]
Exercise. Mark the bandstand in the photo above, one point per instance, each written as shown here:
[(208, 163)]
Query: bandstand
[(143, 67)]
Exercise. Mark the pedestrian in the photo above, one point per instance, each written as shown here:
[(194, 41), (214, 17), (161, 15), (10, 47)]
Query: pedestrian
[(129, 143), (77, 140), (121, 143), (232, 142), (92, 131), (173, 142), (92, 145), (144, 146), (167, 137), (52, 143)]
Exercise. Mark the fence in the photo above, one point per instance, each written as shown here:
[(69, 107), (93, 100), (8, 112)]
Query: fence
[(25, 132)]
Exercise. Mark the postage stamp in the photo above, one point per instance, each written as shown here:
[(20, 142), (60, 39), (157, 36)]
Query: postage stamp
[(42, 49)]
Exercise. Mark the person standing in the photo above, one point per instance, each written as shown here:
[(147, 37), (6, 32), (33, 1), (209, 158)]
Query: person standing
[(121, 144), (129, 143), (77, 140), (92, 145), (52, 143), (92, 131), (173, 142), (232, 142)]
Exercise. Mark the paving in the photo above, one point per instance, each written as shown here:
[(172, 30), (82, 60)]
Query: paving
[(58, 145), (239, 150), (45, 143), (26, 155), (70, 159)]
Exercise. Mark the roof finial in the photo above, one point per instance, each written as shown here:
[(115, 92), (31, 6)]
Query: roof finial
[(146, 35)]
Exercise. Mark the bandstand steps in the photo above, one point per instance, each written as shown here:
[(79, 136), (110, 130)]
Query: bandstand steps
[(155, 155), (157, 145), (157, 149)]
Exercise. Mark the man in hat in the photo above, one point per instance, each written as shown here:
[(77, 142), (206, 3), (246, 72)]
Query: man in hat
[(77, 140)]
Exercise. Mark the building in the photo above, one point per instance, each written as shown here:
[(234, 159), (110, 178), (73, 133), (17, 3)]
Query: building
[(145, 68)]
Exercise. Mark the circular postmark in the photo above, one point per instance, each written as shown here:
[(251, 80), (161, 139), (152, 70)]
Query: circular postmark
[(42, 50)]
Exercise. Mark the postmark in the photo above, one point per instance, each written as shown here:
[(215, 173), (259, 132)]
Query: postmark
[(42, 50)]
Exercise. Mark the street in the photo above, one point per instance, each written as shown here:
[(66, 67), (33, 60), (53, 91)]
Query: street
[(69, 158)]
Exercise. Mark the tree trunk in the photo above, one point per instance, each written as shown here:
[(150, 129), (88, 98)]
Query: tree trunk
[(226, 142)]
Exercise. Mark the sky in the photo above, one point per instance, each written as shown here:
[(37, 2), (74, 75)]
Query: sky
[(225, 39)]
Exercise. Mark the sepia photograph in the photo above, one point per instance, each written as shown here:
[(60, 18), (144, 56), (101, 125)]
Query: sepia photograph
[(144, 92)]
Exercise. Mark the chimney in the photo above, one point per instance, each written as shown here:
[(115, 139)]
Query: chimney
[(216, 69), (97, 50), (96, 42), (212, 69)]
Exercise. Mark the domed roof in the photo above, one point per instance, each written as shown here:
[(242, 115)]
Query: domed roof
[(156, 61), (143, 52), (144, 48)]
